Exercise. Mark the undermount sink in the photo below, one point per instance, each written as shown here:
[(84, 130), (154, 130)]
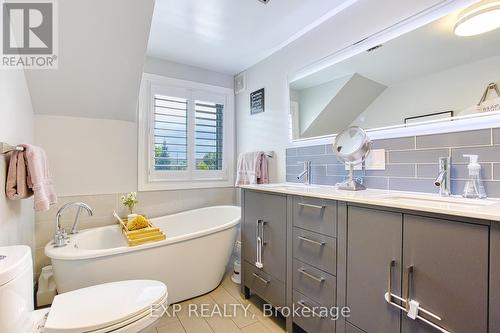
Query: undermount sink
[(459, 202)]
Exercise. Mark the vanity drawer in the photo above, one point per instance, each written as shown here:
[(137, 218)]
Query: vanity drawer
[(311, 324), (314, 283), (316, 215), (264, 285), (317, 250)]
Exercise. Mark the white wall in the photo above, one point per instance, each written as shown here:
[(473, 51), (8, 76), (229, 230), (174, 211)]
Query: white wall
[(456, 89), (16, 126), (185, 72), (269, 130), (88, 155)]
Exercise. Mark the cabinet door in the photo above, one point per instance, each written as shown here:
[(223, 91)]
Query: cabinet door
[(450, 274), (270, 211), (373, 241), (495, 277)]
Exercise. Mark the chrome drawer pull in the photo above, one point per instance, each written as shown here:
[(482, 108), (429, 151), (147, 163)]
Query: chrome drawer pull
[(309, 275), (261, 278), (302, 304), (305, 239), (311, 206)]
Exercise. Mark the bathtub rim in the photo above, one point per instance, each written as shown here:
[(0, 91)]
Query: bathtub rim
[(70, 252)]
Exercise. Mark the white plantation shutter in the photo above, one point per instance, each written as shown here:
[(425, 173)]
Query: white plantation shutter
[(170, 133), (209, 135)]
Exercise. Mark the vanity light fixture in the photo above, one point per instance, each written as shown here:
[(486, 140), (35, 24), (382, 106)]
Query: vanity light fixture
[(478, 19)]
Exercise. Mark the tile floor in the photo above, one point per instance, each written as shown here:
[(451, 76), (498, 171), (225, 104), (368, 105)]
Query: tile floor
[(227, 293)]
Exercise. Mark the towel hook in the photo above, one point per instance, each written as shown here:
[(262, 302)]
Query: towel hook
[(6, 148)]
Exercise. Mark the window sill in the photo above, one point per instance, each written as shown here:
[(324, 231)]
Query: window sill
[(184, 185)]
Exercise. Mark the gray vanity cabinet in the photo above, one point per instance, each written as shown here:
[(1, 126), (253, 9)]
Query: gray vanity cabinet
[(264, 215), (450, 273), (374, 240), (318, 252), (441, 264)]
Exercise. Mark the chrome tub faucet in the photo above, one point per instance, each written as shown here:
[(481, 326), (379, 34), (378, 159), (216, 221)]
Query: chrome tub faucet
[(60, 234)]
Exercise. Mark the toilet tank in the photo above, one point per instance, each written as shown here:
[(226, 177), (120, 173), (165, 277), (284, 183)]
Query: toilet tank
[(16, 289)]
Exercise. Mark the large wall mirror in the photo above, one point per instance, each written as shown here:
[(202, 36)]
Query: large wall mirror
[(428, 73)]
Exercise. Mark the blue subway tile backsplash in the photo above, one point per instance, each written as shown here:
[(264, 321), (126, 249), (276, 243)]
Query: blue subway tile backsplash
[(411, 162), (456, 139), (417, 156), (496, 136)]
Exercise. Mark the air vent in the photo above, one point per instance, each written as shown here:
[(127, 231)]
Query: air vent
[(240, 83)]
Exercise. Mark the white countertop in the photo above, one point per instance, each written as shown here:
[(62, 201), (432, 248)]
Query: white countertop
[(485, 209)]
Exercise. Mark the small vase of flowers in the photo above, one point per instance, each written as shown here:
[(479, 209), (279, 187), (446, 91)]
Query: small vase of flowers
[(130, 200)]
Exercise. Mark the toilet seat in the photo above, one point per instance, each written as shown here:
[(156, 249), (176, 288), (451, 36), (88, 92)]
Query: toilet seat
[(105, 308)]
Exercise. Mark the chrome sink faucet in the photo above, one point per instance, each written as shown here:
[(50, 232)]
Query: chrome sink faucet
[(60, 234), (443, 179), (306, 173)]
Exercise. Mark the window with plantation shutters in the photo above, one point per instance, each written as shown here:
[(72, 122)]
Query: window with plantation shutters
[(186, 135)]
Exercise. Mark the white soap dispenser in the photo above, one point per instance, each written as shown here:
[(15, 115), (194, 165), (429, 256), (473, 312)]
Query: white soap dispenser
[(474, 186)]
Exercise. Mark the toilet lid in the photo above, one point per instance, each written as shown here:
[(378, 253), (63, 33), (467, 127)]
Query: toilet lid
[(96, 307)]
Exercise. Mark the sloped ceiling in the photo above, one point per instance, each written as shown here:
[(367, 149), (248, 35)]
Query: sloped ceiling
[(350, 100), (102, 47)]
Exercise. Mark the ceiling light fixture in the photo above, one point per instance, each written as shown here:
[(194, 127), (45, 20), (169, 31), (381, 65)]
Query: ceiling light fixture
[(478, 19), (264, 1)]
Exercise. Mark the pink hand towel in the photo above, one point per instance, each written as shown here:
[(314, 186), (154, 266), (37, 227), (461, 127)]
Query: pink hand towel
[(38, 178), (16, 186), (252, 168)]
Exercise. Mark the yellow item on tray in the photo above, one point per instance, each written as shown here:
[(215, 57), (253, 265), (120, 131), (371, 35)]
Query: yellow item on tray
[(140, 222)]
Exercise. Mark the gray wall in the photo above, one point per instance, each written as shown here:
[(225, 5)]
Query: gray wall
[(411, 162)]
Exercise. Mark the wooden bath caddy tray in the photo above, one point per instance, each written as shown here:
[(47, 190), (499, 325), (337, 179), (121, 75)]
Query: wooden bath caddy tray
[(140, 236)]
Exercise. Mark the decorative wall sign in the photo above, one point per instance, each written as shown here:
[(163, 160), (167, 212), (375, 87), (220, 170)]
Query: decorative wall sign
[(257, 101)]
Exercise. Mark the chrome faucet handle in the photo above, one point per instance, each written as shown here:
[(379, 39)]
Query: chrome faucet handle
[(64, 234), (59, 240)]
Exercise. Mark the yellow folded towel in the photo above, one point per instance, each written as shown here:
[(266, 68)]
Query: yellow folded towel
[(139, 222)]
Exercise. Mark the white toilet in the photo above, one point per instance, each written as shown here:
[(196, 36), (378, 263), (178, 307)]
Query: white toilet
[(123, 306)]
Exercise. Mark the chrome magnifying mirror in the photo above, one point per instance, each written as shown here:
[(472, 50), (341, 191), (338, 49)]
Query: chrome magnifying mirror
[(351, 146)]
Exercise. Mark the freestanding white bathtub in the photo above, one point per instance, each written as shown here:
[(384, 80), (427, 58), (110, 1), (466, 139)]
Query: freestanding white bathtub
[(191, 261)]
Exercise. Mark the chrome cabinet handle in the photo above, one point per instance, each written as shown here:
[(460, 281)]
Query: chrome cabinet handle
[(305, 239), (262, 225), (259, 242), (304, 305), (406, 301), (310, 205), (309, 275), (409, 275), (261, 278)]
